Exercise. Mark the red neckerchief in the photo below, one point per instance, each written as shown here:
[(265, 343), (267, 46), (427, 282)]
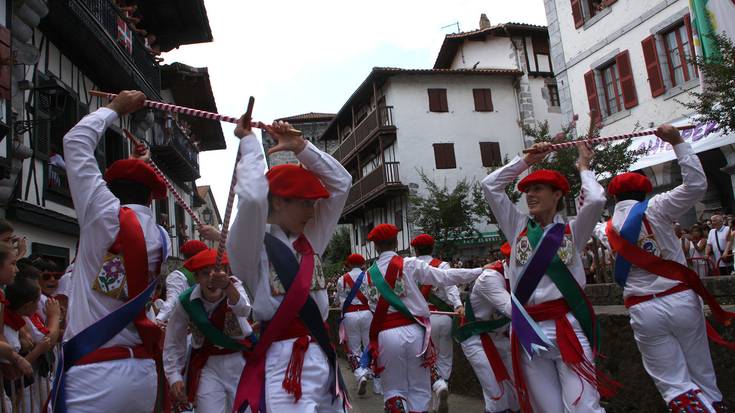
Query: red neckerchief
[(13, 319), (39, 324)]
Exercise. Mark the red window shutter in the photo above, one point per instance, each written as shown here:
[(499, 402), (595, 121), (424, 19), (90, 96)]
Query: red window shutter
[(444, 156), (438, 100), (653, 66), (577, 13), (540, 44), (483, 100), (625, 73), (690, 33), (5, 69), (490, 154), (589, 81)]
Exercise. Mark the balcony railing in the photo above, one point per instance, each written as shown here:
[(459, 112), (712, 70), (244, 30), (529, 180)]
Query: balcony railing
[(103, 14), (380, 178), (174, 151), (381, 117)]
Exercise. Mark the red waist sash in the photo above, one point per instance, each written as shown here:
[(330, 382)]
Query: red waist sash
[(637, 299), (115, 353), (357, 307)]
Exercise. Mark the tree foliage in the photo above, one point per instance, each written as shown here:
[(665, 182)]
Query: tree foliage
[(717, 101), (445, 214), (337, 251)]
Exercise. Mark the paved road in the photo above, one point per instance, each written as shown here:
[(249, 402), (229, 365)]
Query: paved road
[(371, 403)]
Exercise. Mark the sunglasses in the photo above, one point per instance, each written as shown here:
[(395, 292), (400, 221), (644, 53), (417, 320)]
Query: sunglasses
[(46, 276)]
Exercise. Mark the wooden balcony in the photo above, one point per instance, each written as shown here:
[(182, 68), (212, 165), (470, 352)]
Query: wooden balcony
[(372, 186), (93, 23), (174, 152), (378, 121)]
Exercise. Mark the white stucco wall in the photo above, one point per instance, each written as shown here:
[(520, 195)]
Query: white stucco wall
[(496, 52), (541, 109)]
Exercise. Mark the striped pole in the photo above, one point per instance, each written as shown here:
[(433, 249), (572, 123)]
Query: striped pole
[(186, 111), (602, 139), (230, 199), (177, 197)]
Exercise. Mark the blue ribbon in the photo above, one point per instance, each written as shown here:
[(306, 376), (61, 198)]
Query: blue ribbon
[(92, 338), (352, 294), (630, 232)]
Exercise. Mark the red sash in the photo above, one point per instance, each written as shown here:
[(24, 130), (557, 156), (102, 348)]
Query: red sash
[(381, 318), (426, 288), (200, 356), (496, 363), (672, 270), (351, 283), (38, 323)]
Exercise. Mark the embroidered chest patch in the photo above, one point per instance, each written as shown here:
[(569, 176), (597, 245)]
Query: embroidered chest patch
[(372, 293), (232, 325), (111, 280), (318, 281), (400, 287), (648, 244), (524, 250)]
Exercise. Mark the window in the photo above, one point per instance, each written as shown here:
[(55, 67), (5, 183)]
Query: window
[(612, 89), (490, 154), (618, 87), (584, 10), (365, 231), (438, 100), (398, 218), (483, 100), (553, 95), (679, 53), (444, 156), (676, 48), (570, 204)]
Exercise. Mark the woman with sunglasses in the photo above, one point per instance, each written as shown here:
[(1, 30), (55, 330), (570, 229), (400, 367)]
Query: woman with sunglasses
[(50, 275)]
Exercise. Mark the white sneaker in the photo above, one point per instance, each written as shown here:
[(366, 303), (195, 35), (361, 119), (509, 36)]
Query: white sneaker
[(441, 390), (362, 386), (377, 386)]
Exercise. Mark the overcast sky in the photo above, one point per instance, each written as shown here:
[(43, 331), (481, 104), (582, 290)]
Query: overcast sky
[(300, 56)]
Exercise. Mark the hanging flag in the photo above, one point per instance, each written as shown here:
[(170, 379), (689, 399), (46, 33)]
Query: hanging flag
[(711, 17), (124, 34)]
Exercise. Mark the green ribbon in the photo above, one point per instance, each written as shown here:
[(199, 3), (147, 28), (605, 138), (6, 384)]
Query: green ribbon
[(387, 292), (439, 303), (195, 309), (570, 290), (473, 327), (189, 276)]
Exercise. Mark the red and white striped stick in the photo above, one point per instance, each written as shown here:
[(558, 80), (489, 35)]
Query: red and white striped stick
[(602, 139), (186, 111), (177, 197), (230, 199), (449, 313)]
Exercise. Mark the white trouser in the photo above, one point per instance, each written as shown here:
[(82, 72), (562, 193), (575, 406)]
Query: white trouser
[(357, 329), (552, 385), (404, 375), (316, 395), (671, 335), (128, 385), (475, 353), (218, 383), (441, 336)]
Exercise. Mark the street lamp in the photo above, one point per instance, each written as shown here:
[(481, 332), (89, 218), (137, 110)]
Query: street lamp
[(207, 216)]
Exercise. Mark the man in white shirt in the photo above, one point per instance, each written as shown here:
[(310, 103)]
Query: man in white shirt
[(665, 313), (439, 298), (116, 224), (179, 280), (398, 333), (718, 245)]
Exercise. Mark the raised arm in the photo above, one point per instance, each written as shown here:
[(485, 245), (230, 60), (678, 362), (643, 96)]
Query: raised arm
[(335, 177), (245, 240), (426, 274), (594, 200), (506, 214), (673, 204)]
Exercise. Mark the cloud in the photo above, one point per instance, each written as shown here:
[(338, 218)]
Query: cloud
[(302, 56)]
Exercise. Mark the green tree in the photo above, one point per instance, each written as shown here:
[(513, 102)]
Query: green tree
[(337, 251), (480, 207), (716, 102), (447, 215)]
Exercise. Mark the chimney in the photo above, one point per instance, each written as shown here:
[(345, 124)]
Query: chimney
[(484, 22)]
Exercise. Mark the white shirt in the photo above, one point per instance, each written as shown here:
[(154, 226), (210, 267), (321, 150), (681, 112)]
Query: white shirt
[(343, 289), (449, 293), (418, 271), (176, 283), (489, 298), (245, 247), (715, 236), (663, 210), (97, 212), (175, 344), (512, 222)]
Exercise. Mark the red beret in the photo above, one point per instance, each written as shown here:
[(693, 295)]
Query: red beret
[(505, 250), (423, 240), (192, 247), (383, 232), (355, 259), (137, 171), (294, 181), (629, 182), (204, 259), (545, 176)]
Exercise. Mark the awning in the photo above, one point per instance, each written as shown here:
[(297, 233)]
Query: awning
[(703, 137)]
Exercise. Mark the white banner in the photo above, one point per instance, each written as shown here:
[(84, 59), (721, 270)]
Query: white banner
[(723, 16), (703, 137)]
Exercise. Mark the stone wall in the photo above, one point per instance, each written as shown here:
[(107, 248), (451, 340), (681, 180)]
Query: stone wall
[(623, 361)]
